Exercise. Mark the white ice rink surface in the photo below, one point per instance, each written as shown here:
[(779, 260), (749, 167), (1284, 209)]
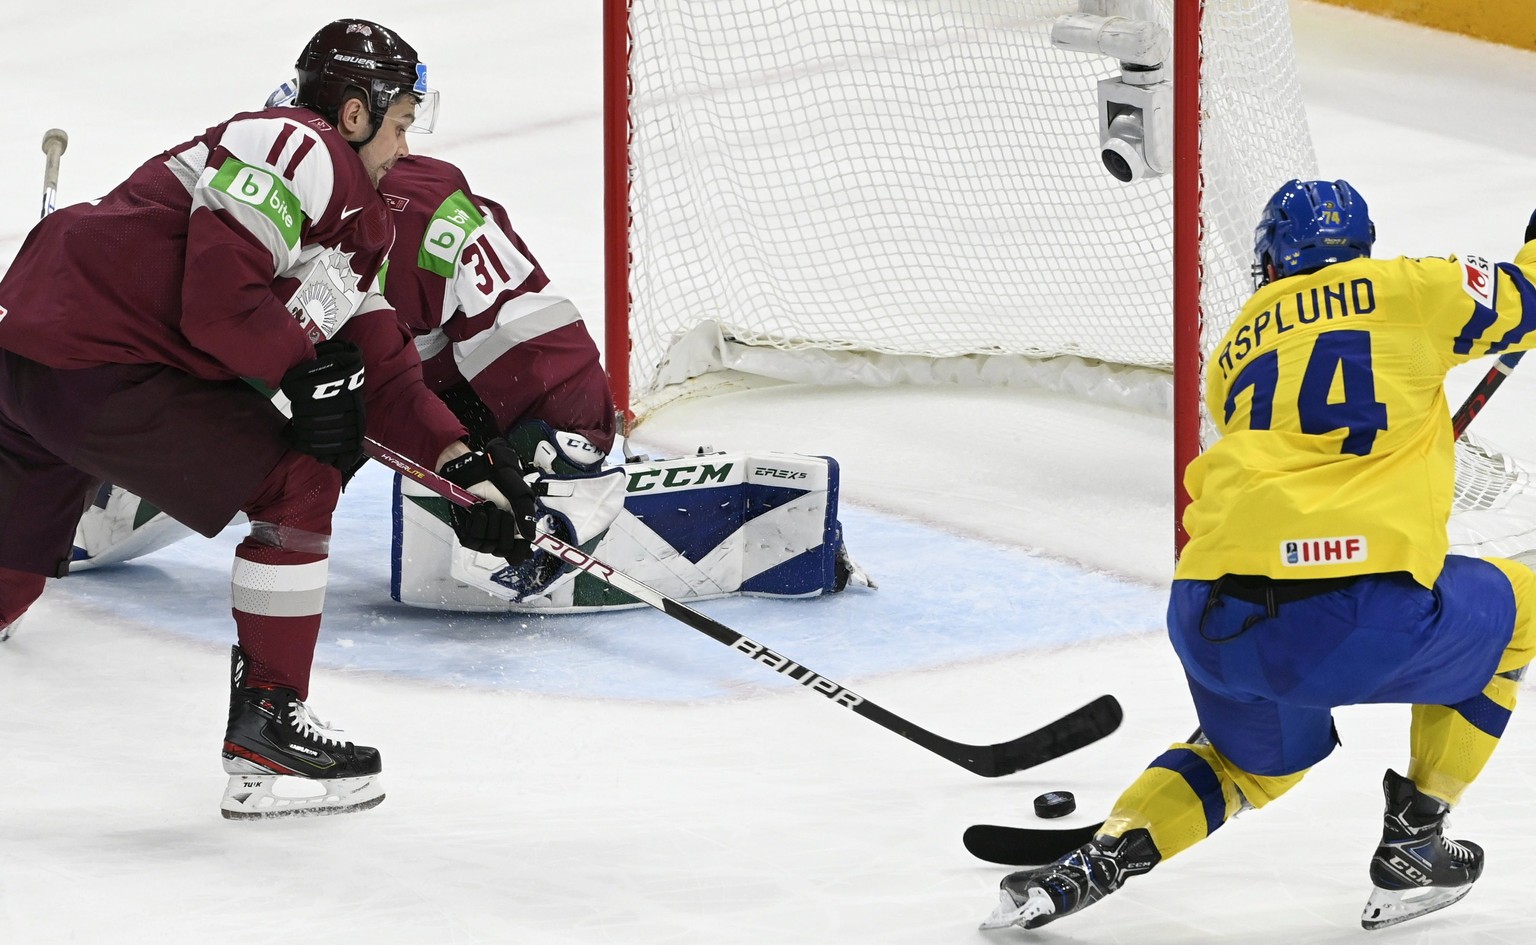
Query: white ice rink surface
[(625, 779)]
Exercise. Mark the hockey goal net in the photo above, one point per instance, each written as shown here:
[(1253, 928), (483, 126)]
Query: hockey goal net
[(865, 189), (911, 191)]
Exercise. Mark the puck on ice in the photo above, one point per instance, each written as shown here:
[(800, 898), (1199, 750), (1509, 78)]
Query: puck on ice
[(1055, 804)]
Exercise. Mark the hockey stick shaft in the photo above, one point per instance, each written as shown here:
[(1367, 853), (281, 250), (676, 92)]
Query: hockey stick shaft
[(1081, 727), (54, 143), (1478, 399)]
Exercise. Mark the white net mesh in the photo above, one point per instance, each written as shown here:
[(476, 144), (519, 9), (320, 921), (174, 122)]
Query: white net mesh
[(923, 179)]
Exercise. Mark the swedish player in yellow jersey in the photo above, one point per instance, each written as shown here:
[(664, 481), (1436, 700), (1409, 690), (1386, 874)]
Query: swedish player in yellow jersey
[(1316, 573)]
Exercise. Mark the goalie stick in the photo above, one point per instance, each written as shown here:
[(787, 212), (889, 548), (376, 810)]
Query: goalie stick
[(1080, 727)]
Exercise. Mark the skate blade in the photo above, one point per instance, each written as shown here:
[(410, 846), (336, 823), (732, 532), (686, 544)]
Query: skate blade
[(1388, 907), (266, 796), (1010, 912)]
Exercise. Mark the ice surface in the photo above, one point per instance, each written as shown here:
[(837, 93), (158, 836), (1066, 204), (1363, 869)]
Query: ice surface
[(625, 779)]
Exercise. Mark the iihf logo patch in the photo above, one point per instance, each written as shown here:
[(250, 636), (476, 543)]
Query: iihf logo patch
[(1305, 552)]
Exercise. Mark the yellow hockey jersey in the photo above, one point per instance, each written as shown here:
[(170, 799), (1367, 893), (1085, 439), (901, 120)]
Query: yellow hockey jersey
[(1336, 455)]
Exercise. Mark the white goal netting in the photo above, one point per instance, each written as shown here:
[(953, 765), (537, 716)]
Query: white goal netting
[(915, 179)]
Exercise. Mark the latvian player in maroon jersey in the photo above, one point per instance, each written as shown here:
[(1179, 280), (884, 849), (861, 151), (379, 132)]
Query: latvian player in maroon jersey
[(142, 338)]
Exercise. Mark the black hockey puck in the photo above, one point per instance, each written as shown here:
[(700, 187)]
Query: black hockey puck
[(1055, 804)]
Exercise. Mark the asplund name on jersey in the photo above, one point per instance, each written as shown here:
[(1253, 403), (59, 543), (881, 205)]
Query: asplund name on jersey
[(1304, 552), (785, 666)]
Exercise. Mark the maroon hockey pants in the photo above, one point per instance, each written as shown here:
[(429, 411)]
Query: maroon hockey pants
[(200, 450)]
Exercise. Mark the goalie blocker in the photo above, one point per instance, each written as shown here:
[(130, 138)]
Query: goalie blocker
[(712, 525)]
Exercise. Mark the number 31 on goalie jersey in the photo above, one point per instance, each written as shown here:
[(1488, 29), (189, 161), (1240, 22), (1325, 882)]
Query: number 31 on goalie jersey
[(472, 253), (1337, 390)]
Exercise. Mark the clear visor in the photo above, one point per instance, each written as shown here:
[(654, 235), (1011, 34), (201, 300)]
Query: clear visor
[(424, 118)]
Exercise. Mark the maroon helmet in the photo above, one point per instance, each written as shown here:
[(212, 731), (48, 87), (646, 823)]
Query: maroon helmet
[(369, 60)]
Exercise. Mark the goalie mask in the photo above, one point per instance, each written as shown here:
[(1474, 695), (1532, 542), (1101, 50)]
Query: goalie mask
[(1308, 225)]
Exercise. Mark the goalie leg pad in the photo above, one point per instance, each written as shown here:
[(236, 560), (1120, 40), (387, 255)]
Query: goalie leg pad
[(119, 525), (761, 524)]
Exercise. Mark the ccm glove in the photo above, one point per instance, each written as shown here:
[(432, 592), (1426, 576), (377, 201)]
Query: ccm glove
[(326, 395), (502, 524)]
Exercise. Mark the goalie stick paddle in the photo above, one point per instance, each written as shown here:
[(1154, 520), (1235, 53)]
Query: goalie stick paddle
[(1077, 728), (1025, 846)]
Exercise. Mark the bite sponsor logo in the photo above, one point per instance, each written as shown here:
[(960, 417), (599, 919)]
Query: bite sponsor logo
[(1307, 552)]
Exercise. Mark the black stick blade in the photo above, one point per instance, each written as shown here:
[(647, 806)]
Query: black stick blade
[(1025, 846), (1076, 729)]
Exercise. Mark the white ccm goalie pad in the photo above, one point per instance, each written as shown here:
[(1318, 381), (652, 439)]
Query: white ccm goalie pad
[(714, 525), (117, 526)]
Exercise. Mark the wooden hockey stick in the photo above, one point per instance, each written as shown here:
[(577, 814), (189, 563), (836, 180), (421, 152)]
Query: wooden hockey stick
[(1072, 731)]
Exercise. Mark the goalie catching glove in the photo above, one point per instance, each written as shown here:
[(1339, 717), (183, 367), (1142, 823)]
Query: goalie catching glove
[(325, 396), (502, 524)]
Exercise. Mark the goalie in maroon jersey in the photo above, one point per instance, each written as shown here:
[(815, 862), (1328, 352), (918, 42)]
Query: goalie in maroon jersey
[(135, 331)]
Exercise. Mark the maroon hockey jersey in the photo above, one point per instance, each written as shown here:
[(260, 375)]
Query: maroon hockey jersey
[(228, 257), (482, 309)]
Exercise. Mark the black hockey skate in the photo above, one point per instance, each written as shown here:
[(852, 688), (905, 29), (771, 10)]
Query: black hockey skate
[(1031, 898), (282, 761), (1416, 870)]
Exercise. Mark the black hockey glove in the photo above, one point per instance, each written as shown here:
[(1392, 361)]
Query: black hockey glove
[(503, 524), (326, 395), (1530, 229)]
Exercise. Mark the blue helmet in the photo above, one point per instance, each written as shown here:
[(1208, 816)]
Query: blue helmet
[(1307, 225)]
